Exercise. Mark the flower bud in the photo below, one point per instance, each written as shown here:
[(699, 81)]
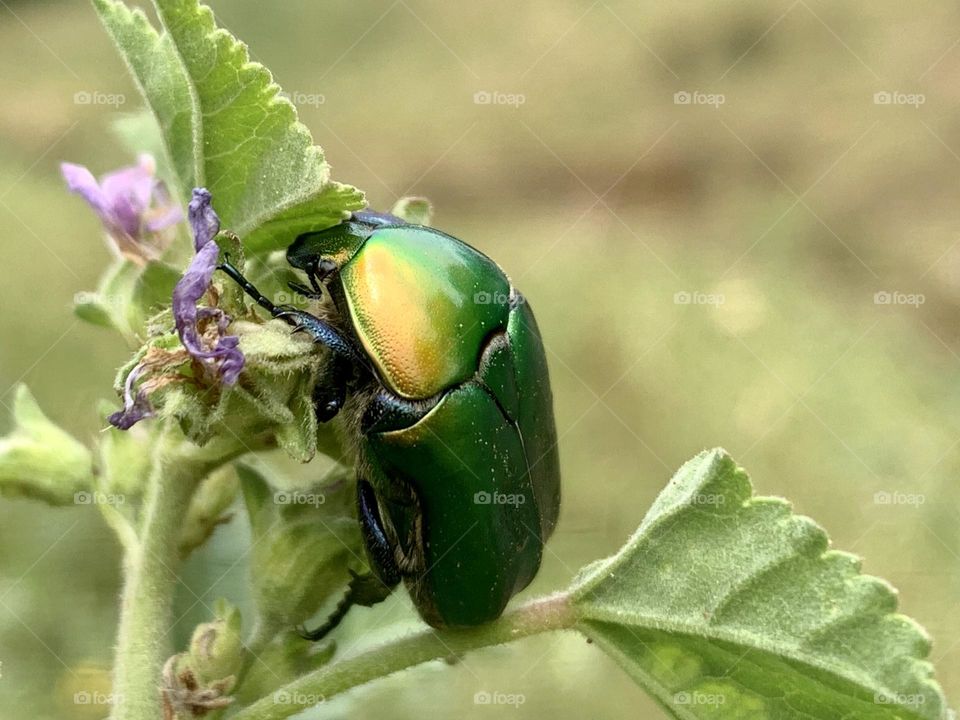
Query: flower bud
[(304, 542), (216, 648)]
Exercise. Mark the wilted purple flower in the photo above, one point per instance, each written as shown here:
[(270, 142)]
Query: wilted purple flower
[(136, 406), (132, 203), (222, 349)]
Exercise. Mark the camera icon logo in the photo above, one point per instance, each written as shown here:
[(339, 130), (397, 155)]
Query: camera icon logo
[(482, 97), (682, 98)]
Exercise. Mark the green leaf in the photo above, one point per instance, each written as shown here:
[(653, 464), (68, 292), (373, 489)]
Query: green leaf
[(728, 605), (127, 295), (41, 461), (225, 127)]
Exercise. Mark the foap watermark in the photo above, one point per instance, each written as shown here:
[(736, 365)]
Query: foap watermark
[(497, 498), (714, 499), (90, 297), (696, 97), (300, 699), (885, 97), (902, 699), (883, 497), (96, 497), (486, 97), (698, 298), (289, 297), (96, 97), (95, 697), (486, 697), (298, 97), (494, 298), (895, 297), (292, 497), (699, 698)]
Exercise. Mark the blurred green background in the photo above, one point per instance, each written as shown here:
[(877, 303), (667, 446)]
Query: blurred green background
[(779, 210)]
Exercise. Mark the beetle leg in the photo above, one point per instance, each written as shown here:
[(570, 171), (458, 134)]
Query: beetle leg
[(313, 294), (381, 552), (330, 393), (364, 590)]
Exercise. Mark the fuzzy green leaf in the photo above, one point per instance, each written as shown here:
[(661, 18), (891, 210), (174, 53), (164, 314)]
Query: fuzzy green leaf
[(39, 460), (225, 127), (725, 605), (127, 295)]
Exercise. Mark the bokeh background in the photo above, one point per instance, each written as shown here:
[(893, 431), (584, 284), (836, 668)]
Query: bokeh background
[(705, 273)]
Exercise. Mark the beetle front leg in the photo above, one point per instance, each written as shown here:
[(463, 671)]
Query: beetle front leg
[(330, 392)]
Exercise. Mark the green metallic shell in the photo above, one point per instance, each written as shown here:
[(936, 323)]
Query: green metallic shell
[(422, 304), (534, 413), (481, 522), (484, 466)]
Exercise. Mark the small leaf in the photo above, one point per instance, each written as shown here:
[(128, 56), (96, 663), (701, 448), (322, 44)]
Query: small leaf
[(416, 210), (299, 438), (127, 295), (225, 127), (728, 605), (41, 461)]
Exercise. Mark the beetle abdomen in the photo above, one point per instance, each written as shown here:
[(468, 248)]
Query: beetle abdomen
[(481, 526)]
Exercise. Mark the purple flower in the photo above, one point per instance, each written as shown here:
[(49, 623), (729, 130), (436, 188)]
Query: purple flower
[(132, 203), (136, 406), (202, 330)]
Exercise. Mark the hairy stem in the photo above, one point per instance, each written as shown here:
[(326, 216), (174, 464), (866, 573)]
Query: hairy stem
[(151, 566), (538, 616)]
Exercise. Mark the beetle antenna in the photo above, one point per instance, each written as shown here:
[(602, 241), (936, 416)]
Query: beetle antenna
[(248, 287)]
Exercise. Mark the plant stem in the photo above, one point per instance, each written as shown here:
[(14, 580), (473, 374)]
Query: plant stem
[(538, 616), (150, 569)]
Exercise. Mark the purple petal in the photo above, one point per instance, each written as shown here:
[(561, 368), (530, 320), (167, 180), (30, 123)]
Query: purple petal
[(130, 202), (165, 217), (231, 358), (136, 407), (139, 409), (191, 287), (203, 219), (82, 182), (128, 192)]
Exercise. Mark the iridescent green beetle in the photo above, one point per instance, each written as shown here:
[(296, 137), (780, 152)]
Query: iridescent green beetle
[(438, 368)]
